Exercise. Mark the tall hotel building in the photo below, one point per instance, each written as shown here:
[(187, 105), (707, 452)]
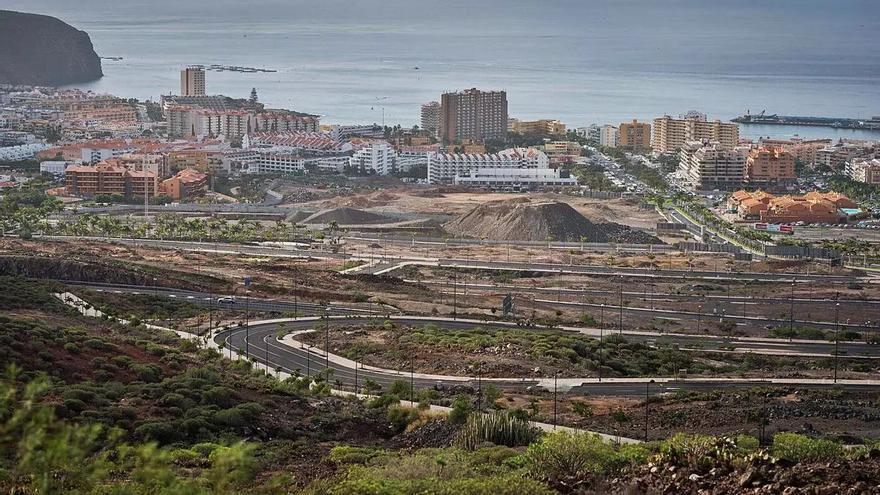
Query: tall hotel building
[(473, 114), (670, 135), (192, 81), (431, 117)]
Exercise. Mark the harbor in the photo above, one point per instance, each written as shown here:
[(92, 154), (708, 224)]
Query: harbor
[(872, 124)]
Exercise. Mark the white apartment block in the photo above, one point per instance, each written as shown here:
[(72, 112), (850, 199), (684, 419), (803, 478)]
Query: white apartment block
[(709, 165), (443, 168), (867, 171), (430, 120), (54, 167), (609, 136), (515, 179), (375, 157), (21, 152), (94, 155)]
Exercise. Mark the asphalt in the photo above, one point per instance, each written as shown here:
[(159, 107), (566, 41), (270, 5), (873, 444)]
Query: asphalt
[(262, 338)]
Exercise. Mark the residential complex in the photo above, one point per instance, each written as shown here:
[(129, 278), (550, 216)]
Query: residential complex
[(83, 180), (443, 168), (708, 165), (376, 157), (515, 179), (813, 207), (473, 114), (543, 127), (192, 81), (867, 171), (767, 166), (634, 135), (430, 121), (669, 134)]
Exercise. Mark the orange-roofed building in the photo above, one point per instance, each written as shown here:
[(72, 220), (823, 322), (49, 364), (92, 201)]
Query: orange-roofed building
[(770, 166), (789, 209), (187, 184)]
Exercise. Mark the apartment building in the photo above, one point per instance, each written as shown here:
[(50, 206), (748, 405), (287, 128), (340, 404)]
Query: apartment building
[(515, 179), (473, 114), (542, 127), (669, 134), (318, 143), (186, 184), (192, 81), (430, 121), (867, 171), (709, 165), (804, 150), (634, 135), (609, 136), (285, 121), (443, 168), (376, 157), (103, 178), (766, 166)]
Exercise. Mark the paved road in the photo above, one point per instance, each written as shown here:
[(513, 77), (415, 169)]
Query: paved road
[(702, 342), (645, 294), (261, 339)]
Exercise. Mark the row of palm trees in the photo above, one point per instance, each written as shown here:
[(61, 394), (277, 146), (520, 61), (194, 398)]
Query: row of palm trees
[(168, 226)]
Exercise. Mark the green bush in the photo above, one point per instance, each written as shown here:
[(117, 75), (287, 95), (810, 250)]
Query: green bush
[(400, 416), (572, 456), (344, 454), (499, 428), (800, 448), (461, 409)]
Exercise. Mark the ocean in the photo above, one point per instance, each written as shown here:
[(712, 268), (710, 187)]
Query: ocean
[(579, 61)]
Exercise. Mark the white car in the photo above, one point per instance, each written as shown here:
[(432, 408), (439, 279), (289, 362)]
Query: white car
[(226, 300)]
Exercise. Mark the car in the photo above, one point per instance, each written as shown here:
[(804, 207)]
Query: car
[(226, 300)]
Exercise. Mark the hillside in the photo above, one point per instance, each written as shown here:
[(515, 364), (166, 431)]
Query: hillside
[(44, 51)]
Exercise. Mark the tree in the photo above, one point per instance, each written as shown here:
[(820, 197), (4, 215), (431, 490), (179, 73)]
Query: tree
[(254, 99)]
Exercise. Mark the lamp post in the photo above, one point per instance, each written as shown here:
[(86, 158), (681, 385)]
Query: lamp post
[(647, 396)]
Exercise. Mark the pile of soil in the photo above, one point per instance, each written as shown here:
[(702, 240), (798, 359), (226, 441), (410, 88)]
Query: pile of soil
[(345, 216), (524, 220)]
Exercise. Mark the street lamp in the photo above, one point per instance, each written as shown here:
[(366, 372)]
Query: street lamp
[(647, 396)]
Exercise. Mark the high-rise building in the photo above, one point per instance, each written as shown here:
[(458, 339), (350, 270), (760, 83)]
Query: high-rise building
[(708, 165), (473, 114), (431, 117), (769, 165), (609, 136), (669, 134), (866, 170), (192, 81), (634, 134)]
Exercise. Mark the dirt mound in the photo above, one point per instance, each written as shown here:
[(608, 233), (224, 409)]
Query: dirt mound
[(522, 220), (345, 216), (627, 235)]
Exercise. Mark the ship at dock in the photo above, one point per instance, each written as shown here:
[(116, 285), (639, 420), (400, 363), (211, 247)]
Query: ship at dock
[(872, 124)]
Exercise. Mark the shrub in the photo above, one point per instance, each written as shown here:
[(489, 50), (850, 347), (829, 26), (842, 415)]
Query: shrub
[(71, 348), (572, 456), (800, 448), (344, 454), (399, 388), (461, 409), (400, 416), (499, 428)]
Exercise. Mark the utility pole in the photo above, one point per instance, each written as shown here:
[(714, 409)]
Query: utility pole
[(620, 317), (412, 381), (836, 337), (647, 397), (555, 402), (791, 312)]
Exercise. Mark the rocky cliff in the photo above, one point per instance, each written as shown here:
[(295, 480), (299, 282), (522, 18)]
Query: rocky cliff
[(43, 51)]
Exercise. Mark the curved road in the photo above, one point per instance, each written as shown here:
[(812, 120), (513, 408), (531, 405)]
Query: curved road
[(261, 342)]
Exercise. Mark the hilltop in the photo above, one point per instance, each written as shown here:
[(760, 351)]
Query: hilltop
[(41, 50)]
